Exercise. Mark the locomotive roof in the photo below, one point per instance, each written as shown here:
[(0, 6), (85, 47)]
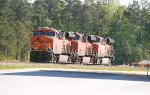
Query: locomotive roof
[(45, 29), (99, 37), (78, 34)]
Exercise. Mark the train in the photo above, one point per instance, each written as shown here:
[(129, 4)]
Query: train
[(56, 46)]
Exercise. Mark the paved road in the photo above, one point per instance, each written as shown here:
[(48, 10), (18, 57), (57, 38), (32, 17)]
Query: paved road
[(55, 82)]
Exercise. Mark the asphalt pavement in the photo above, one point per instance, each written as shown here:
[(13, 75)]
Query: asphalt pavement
[(67, 82)]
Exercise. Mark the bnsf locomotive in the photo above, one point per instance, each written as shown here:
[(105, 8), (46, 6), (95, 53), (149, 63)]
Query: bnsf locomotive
[(50, 45)]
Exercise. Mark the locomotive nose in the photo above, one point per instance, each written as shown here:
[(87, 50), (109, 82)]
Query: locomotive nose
[(39, 39), (42, 43)]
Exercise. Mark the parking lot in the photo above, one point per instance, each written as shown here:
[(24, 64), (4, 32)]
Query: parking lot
[(59, 82)]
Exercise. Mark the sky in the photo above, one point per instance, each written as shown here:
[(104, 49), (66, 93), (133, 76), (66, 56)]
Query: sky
[(123, 2), (126, 2)]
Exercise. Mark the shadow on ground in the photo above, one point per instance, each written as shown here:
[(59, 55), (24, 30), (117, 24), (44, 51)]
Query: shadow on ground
[(85, 75)]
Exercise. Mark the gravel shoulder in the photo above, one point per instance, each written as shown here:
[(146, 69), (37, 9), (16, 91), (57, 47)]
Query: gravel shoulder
[(27, 67)]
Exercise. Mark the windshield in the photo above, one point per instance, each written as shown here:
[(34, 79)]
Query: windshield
[(36, 33), (51, 34), (98, 40)]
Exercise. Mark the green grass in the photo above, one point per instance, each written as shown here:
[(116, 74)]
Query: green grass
[(80, 67), (14, 67)]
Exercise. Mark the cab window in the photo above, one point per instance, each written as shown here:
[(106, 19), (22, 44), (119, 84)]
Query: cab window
[(77, 37), (50, 34), (37, 33), (98, 40)]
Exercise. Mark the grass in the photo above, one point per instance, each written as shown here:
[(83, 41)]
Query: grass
[(12, 67), (80, 67)]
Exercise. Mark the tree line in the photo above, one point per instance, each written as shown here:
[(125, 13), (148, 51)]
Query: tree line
[(128, 25)]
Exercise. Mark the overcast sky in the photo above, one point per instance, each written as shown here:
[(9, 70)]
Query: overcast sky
[(123, 2)]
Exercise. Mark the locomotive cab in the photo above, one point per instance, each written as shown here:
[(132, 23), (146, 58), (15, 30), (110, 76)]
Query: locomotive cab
[(77, 45), (44, 44), (66, 38), (43, 39), (79, 49), (103, 50), (89, 40), (69, 35)]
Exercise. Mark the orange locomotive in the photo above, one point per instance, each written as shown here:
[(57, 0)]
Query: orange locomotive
[(103, 51), (81, 49), (43, 44), (50, 45)]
